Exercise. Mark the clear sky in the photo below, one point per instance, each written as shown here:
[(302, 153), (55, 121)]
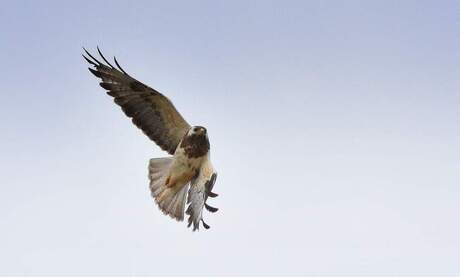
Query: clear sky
[(334, 126)]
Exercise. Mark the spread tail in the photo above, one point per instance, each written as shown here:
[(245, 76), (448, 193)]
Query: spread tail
[(170, 200)]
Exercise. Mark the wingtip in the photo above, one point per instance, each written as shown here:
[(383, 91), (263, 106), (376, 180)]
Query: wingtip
[(88, 60), (93, 60), (206, 226), (102, 56), (86, 51), (95, 72), (118, 65), (210, 208)]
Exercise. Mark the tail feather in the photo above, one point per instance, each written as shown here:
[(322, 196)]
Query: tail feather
[(170, 200)]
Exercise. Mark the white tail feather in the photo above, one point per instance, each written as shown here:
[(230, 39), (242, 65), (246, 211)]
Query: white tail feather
[(171, 201)]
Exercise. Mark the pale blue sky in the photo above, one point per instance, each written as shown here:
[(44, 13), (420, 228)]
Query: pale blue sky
[(334, 126)]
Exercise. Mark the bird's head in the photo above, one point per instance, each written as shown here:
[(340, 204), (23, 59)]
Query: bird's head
[(198, 131), (195, 142)]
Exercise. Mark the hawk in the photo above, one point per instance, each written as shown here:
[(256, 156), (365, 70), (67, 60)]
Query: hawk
[(185, 178)]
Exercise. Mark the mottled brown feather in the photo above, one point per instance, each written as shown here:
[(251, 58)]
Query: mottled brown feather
[(150, 110), (195, 145)]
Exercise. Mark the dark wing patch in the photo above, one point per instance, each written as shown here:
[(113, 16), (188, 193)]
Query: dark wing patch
[(150, 110)]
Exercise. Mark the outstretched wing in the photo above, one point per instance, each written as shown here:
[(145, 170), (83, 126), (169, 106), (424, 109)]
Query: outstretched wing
[(200, 190), (150, 110)]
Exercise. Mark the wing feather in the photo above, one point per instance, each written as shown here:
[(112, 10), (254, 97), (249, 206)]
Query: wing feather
[(150, 110)]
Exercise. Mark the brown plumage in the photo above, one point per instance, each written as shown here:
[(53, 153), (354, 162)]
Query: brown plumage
[(150, 110), (196, 145), (188, 176)]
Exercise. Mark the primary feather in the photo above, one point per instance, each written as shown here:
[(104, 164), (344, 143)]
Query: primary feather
[(150, 110)]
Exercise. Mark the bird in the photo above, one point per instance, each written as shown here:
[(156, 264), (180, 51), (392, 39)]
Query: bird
[(183, 181)]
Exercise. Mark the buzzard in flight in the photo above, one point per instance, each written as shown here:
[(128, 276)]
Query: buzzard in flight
[(187, 177)]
